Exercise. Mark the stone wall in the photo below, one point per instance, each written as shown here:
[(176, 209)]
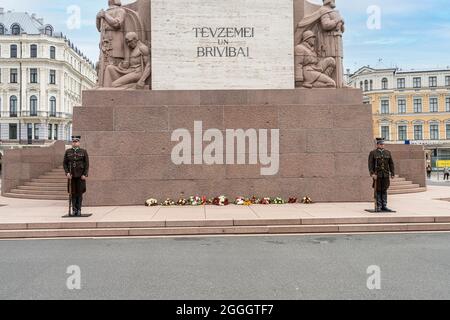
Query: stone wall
[(22, 165), (410, 162), (325, 139)]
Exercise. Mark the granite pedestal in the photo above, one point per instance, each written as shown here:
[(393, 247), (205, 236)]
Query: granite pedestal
[(325, 139)]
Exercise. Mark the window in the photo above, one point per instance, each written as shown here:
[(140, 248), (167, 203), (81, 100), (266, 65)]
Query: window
[(434, 105), (33, 106), (15, 29), (402, 133), (13, 131), (361, 85), (33, 51), (33, 75), (417, 105), (401, 106), (417, 83), (418, 132), (49, 31), (366, 85), (447, 104), (13, 76), (384, 106), (2, 29), (401, 83), (55, 135), (433, 82), (13, 51), (384, 84), (434, 132), (52, 77), (371, 85), (36, 131), (52, 107), (447, 130), (385, 132), (13, 106), (52, 52), (50, 130), (447, 81)]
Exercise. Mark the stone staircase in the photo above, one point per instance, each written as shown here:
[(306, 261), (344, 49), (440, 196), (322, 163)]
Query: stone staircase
[(50, 186), (402, 186)]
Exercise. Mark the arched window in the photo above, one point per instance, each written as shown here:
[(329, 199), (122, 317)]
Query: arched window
[(13, 51), (361, 85), (52, 52), (2, 29), (15, 29), (366, 85), (13, 106), (371, 85), (33, 106), (33, 51), (49, 31), (384, 84), (52, 107)]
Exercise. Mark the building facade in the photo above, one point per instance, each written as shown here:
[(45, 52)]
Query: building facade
[(42, 76), (409, 107)]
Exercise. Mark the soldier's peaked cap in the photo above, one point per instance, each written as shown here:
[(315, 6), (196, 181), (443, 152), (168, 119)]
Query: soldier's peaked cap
[(76, 138), (380, 141)]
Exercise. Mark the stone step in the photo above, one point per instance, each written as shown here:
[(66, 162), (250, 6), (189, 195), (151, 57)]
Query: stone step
[(36, 197), (54, 174), (405, 187), (44, 188), (47, 180), (400, 183), (398, 179), (230, 230), (39, 192), (406, 191), (46, 184)]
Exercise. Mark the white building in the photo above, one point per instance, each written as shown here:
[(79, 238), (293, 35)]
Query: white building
[(42, 76)]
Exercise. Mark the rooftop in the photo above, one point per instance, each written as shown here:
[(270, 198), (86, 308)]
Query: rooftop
[(16, 23)]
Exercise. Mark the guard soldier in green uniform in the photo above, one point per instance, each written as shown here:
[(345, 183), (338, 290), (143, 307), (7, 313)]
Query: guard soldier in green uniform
[(76, 166), (381, 168)]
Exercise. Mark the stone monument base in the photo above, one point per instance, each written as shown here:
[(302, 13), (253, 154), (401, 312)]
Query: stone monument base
[(325, 137)]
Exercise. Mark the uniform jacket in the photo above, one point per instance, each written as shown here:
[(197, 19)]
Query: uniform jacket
[(381, 163), (76, 162)]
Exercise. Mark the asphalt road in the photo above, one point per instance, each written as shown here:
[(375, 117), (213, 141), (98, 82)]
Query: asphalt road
[(412, 266)]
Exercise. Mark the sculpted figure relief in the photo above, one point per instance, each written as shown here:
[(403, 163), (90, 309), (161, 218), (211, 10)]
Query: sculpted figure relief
[(327, 25), (310, 70), (134, 73), (118, 57)]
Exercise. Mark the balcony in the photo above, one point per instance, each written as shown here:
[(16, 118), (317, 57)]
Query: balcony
[(35, 114)]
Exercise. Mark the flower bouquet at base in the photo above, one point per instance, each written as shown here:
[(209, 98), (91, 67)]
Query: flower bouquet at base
[(255, 200), (292, 200), (168, 203), (221, 201), (277, 200), (151, 202), (307, 200), (264, 201), (182, 202), (241, 201), (195, 201)]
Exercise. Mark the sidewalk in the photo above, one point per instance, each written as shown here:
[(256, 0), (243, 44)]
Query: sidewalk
[(424, 208)]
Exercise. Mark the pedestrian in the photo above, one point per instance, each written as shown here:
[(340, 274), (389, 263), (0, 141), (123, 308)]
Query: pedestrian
[(381, 168), (76, 166), (446, 173), (429, 171)]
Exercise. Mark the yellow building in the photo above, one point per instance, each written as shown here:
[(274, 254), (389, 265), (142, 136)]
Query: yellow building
[(409, 107)]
